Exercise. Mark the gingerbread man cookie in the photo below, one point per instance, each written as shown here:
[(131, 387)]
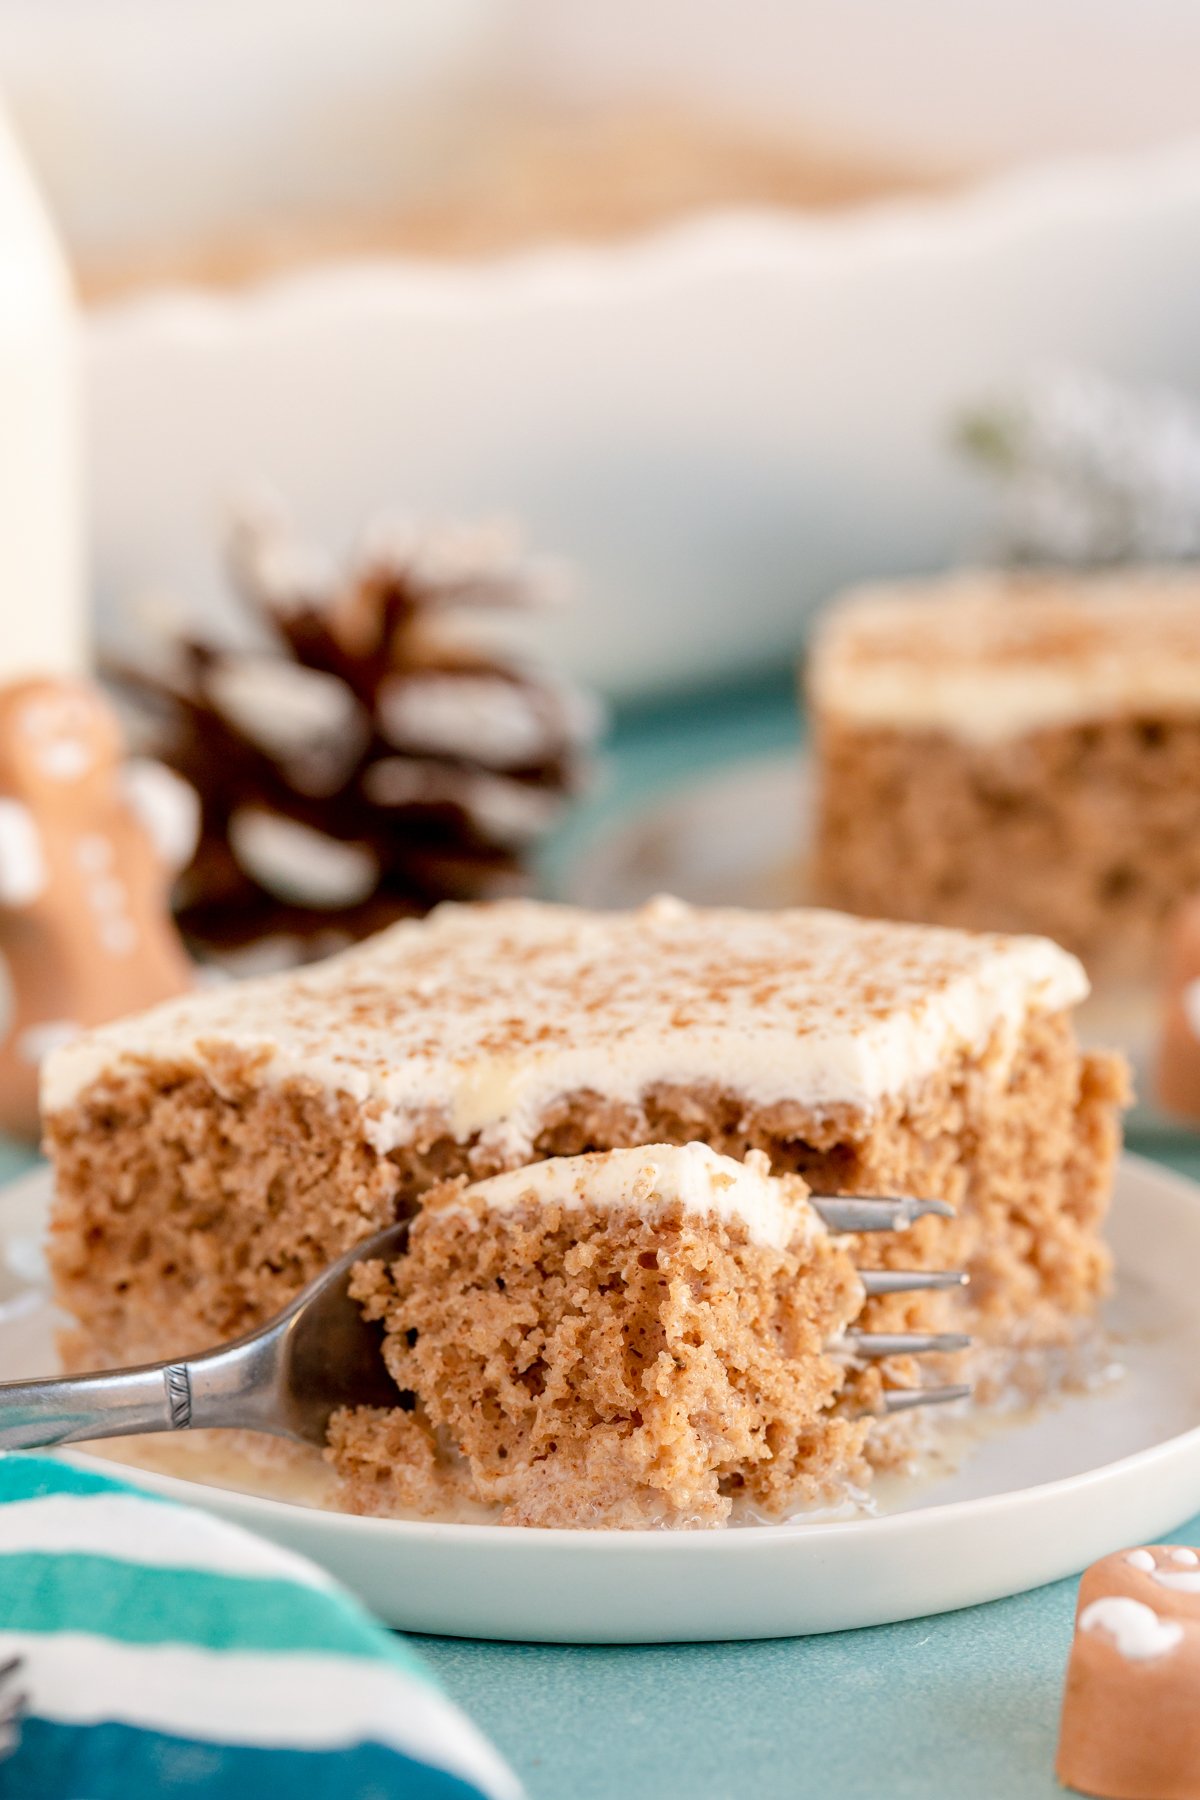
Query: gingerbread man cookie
[(1131, 1711), (89, 845)]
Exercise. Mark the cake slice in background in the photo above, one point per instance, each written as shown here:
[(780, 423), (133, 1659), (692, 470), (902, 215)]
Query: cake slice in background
[(215, 1154), (1014, 752)]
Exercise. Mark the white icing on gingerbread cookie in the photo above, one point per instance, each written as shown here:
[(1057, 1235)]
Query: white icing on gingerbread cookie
[(1184, 1578), (1184, 1581), (58, 729), (1137, 1632), (93, 854)]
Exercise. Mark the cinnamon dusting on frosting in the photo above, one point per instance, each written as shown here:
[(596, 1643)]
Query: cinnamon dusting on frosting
[(989, 654), (488, 1015)]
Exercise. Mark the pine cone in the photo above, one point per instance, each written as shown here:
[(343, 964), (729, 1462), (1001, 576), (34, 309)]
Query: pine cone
[(371, 753)]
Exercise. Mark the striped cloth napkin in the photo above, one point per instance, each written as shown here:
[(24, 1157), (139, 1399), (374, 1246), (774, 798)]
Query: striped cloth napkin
[(164, 1652)]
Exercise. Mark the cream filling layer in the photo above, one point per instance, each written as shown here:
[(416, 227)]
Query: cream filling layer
[(647, 1179), (982, 657), (488, 1017), (987, 705)]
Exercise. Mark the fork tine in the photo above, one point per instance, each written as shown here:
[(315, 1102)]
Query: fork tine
[(897, 1400), (855, 1212), (909, 1281), (871, 1345), (873, 1212)]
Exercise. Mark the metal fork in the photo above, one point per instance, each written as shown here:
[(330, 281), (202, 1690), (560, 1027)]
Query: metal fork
[(320, 1354), (286, 1378), (861, 1213)]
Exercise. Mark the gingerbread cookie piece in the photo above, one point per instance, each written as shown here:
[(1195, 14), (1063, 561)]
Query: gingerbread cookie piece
[(1177, 1076), (1131, 1711), (89, 846)]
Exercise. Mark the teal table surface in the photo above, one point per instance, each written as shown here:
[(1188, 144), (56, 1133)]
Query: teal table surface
[(958, 1707)]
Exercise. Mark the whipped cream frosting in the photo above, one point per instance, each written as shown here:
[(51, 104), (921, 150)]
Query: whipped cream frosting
[(486, 1016), (983, 656), (653, 1176)]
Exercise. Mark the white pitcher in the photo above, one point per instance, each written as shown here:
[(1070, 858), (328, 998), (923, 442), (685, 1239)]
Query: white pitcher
[(42, 602)]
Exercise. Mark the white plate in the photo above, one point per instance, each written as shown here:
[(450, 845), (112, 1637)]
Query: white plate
[(1034, 1501), (737, 837)]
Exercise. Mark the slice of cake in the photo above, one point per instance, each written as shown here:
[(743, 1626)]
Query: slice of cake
[(1014, 752), (216, 1153), (629, 1338)]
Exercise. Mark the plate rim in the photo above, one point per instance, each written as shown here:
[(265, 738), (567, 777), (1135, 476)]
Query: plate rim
[(746, 1540)]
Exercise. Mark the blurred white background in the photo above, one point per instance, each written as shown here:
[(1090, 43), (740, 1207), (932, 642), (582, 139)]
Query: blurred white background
[(148, 119), (719, 422)]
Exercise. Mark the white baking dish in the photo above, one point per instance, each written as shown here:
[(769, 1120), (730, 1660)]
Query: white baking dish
[(719, 423)]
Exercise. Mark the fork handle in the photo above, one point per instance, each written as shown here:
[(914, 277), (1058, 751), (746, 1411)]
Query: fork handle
[(233, 1385), (67, 1409)]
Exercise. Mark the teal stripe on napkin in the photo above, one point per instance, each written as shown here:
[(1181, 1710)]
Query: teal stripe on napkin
[(40, 1592), (141, 1765), (31, 1477), (166, 1651)]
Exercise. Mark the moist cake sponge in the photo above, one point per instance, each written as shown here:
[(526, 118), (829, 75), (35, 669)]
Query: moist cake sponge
[(632, 1338)]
